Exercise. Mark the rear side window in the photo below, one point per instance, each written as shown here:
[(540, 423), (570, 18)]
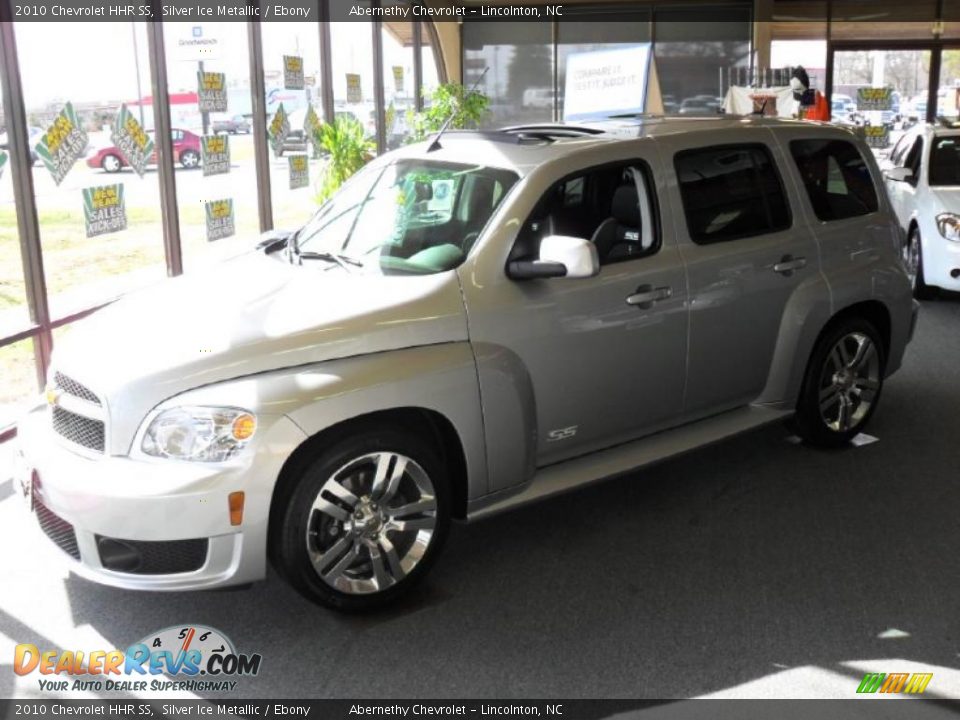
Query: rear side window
[(836, 177), (731, 192)]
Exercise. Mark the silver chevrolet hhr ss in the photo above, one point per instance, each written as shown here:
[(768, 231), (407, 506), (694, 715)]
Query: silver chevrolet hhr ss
[(470, 324)]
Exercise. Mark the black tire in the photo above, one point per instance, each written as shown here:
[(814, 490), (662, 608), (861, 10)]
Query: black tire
[(294, 517), (814, 419), (111, 164), (921, 291), (190, 159)]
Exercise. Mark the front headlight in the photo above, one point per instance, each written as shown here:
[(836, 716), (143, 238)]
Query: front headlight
[(204, 434), (949, 226)]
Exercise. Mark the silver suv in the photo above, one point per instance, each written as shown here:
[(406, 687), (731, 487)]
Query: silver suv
[(470, 324)]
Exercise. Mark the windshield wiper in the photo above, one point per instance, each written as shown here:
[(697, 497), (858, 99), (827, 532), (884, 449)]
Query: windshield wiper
[(343, 261)]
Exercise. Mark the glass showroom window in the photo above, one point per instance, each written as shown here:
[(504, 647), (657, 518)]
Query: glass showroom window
[(291, 74), (215, 171), (519, 81), (14, 314), (94, 176), (399, 96), (596, 31), (353, 91), (19, 371), (948, 94), (694, 50)]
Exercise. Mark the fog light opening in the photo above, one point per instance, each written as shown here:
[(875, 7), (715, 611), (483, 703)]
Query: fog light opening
[(955, 273), (235, 501)]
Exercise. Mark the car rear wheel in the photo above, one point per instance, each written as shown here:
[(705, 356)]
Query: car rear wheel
[(913, 261), (189, 159), (111, 163), (364, 521), (842, 385)]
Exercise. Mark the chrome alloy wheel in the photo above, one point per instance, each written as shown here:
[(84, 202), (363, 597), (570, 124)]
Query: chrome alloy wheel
[(849, 382), (910, 254), (371, 523)]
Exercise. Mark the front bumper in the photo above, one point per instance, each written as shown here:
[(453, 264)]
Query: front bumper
[(170, 511), (941, 262)]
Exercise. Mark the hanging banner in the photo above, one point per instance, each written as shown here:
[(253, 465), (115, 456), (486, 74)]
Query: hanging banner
[(354, 95), (398, 78), (131, 140), (219, 219), (62, 144), (212, 91), (877, 136), (602, 83), (104, 210), (311, 129), (874, 99), (215, 151), (293, 72), (279, 130), (299, 171)]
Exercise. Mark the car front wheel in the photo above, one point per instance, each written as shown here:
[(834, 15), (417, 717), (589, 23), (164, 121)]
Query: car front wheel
[(913, 262), (842, 384), (111, 164), (189, 159), (364, 520)]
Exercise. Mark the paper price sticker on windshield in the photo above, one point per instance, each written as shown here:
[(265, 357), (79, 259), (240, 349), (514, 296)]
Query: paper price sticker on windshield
[(212, 91), (299, 171), (62, 144), (219, 219), (279, 130), (104, 210), (131, 140), (293, 72), (215, 150)]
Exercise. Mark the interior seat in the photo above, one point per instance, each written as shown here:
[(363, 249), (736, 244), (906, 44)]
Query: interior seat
[(620, 235)]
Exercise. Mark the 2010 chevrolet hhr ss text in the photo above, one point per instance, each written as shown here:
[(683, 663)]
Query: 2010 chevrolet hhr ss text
[(472, 323)]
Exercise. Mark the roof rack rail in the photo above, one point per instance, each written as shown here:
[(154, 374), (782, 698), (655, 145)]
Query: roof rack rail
[(552, 130)]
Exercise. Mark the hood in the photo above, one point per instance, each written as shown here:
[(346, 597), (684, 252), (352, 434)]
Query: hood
[(248, 315), (947, 198)]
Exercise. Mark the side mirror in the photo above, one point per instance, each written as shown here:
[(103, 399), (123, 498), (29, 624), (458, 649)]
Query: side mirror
[(560, 256), (898, 174)]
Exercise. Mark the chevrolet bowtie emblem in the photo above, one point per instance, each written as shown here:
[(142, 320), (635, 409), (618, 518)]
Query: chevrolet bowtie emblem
[(53, 394)]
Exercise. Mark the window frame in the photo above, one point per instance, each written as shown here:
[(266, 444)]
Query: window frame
[(806, 190), (646, 170), (754, 145)]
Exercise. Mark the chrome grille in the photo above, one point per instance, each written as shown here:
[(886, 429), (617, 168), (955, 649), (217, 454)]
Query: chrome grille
[(78, 429), (72, 387)]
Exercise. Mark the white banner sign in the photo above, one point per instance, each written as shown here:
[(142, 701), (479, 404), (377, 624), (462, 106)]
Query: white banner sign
[(603, 83)]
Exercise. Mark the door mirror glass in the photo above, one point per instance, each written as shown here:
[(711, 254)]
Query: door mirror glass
[(898, 174), (560, 256)]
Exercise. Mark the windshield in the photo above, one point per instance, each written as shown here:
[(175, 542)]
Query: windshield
[(945, 161), (412, 216)]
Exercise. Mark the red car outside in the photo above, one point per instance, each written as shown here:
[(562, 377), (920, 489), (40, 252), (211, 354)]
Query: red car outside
[(186, 149)]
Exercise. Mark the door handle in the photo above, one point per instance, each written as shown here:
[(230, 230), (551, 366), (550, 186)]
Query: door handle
[(788, 263), (647, 295)]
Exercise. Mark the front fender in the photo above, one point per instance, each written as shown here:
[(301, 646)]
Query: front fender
[(441, 378)]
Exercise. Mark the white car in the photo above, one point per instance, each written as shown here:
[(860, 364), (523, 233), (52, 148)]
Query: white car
[(923, 179)]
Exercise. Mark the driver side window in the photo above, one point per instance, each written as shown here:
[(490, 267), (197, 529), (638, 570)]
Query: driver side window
[(612, 206)]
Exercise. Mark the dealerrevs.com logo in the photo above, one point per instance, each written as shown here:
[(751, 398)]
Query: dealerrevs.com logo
[(192, 658)]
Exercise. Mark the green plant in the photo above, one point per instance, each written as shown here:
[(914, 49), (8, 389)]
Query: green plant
[(468, 108), (348, 150)]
